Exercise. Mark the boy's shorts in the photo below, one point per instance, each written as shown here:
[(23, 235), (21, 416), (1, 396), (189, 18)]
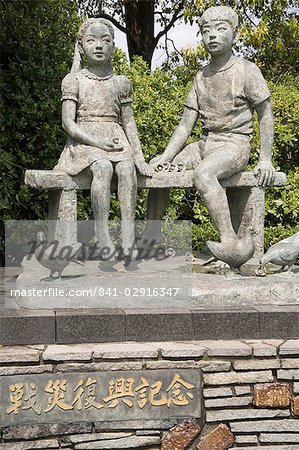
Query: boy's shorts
[(237, 147)]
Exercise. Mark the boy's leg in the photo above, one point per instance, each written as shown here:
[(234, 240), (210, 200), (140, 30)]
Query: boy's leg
[(127, 195), (102, 171), (217, 166)]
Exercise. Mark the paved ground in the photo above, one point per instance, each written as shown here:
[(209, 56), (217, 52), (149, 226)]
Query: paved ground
[(171, 283)]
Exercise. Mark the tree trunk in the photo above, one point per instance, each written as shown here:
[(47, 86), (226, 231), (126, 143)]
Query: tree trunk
[(140, 23)]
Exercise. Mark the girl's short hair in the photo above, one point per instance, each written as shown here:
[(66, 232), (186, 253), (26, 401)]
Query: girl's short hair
[(224, 13), (87, 23)]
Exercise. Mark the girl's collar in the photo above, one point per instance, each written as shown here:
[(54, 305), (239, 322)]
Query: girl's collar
[(93, 76)]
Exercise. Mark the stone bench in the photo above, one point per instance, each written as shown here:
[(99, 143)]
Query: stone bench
[(246, 198)]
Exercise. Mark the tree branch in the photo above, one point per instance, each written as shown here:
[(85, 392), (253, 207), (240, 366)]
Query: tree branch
[(173, 44), (114, 21), (175, 17), (247, 16)]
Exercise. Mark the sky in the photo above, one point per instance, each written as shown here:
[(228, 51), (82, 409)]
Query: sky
[(183, 35)]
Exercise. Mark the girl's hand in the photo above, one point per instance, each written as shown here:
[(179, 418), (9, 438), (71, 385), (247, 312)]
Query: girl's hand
[(144, 168), (111, 145)]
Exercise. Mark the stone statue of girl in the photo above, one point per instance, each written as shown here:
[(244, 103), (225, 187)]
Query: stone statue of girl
[(102, 135)]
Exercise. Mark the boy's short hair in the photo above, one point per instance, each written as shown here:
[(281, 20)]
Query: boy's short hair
[(223, 13)]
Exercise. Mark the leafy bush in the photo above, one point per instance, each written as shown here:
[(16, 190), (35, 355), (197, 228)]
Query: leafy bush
[(36, 52), (203, 233), (282, 204), (275, 234)]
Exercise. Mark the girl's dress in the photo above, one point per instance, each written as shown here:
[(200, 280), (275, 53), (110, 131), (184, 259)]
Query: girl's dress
[(99, 102)]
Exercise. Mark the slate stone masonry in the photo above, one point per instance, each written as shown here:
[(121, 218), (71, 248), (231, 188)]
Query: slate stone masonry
[(117, 325), (250, 395)]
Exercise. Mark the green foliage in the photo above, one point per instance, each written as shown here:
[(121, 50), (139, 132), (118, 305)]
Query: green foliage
[(37, 44), (276, 234), (285, 99), (282, 204), (273, 234), (203, 233), (178, 235)]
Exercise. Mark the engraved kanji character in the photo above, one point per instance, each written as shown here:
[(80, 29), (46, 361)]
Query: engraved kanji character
[(141, 390), (58, 389), (16, 397), (30, 401), (90, 395), (120, 389), (178, 396), (155, 390), (79, 390), (85, 396)]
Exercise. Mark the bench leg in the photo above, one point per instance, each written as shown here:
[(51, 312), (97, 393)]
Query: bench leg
[(257, 204), (157, 201), (63, 216), (247, 206)]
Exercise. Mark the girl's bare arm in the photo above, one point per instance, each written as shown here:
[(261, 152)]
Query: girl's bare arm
[(130, 129), (78, 134)]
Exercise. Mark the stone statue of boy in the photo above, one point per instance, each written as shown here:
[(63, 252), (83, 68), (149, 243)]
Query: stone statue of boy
[(224, 94)]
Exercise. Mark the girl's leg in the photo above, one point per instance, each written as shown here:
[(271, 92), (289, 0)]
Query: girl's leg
[(102, 171), (127, 195)]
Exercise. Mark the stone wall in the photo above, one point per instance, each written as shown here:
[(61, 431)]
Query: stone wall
[(250, 395)]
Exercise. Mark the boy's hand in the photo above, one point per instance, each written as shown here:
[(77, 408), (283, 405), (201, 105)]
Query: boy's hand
[(265, 173), (144, 168), (157, 160)]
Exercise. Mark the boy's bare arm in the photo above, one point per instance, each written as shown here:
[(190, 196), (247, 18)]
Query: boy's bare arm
[(130, 129), (264, 169), (179, 136)]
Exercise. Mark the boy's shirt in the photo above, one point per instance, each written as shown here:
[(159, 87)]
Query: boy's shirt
[(225, 99)]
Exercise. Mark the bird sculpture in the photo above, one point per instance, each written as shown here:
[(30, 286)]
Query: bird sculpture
[(283, 254), (234, 253), (55, 256)]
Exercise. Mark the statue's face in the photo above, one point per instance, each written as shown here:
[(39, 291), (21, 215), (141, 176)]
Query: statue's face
[(98, 44), (218, 37)]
